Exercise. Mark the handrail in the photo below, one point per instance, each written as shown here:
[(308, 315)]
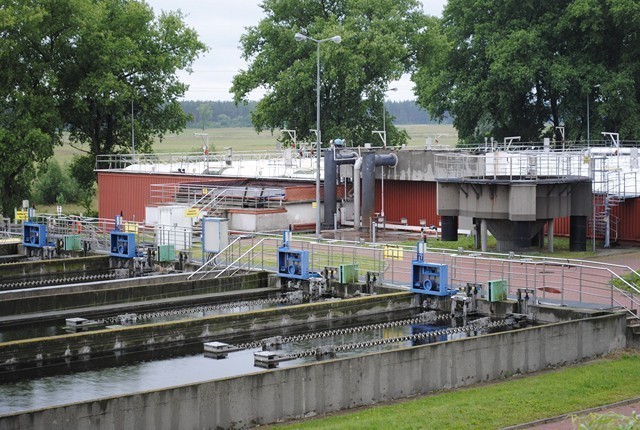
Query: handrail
[(236, 260), (212, 259)]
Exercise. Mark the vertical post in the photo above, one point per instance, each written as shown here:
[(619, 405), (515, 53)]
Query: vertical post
[(133, 137), (318, 148)]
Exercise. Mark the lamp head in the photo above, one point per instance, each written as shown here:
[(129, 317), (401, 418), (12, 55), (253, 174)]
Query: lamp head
[(336, 39), (300, 37)]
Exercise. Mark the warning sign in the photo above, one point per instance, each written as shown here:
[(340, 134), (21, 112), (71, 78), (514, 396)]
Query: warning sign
[(22, 215), (191, 213)]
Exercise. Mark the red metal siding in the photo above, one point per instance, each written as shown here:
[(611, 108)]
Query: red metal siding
[(411, 200), (130, 193), (628, 214)]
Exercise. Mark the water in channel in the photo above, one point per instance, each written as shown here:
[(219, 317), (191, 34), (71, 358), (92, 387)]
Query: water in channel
[(150, 375)]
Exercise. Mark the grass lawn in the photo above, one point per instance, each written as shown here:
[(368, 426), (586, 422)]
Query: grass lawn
[(246, 139), (494, 405), (560, 247)]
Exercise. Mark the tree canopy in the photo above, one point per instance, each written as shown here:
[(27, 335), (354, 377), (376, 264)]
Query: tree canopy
[(376, 49), (523, 67), (80, 66)]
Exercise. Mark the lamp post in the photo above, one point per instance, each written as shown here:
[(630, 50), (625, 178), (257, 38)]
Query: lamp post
[(588, 97), (336, 39)]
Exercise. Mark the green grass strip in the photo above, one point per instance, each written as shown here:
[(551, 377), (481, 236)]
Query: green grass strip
[(494, 405)]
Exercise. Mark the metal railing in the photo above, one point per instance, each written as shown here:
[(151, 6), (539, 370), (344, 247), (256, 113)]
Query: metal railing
[(512, 165), (563, 282)]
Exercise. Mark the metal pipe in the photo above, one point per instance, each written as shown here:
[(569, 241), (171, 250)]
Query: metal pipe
[(370, 162), (356, 194)]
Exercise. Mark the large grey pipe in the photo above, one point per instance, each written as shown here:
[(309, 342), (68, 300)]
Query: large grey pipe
[(370, 161), (333, 158)]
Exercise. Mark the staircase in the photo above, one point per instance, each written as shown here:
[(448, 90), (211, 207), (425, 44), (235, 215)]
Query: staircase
[(610, 189)]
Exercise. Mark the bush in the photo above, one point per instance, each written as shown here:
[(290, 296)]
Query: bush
[(53, 185)]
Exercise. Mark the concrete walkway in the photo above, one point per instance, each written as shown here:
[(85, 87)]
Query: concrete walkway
[(565, 422)]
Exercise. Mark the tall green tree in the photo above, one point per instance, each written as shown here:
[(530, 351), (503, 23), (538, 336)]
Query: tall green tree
[(30, 124), (375, 50), (124, 65), (517, 67), (80, 66)]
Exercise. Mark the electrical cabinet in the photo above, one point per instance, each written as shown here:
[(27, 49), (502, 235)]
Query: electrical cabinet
[(293, 263), (430, 278), (348, 273), (72, 242), (123, 245), (497, 290), (34, 235), (166, 253)]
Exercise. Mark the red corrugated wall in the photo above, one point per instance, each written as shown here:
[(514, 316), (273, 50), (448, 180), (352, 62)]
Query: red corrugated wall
[(130, 193), (411, 200), (628, 214)]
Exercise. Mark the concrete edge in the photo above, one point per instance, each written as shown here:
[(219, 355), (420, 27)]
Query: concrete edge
[(571, 414)]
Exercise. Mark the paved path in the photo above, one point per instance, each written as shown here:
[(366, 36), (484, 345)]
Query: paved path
[(565, 422)]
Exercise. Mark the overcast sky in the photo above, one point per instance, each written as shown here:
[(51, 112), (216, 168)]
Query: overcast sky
[(220, 24)]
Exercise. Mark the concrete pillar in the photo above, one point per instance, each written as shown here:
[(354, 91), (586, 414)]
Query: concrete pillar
[(449, 226), (483, 235), (550, 235), (578, 233), (330, 178)]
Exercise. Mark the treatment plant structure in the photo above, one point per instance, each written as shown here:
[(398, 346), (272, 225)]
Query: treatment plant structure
[(197, 301)]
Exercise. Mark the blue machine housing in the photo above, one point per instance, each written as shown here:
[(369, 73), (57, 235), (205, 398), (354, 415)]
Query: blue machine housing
[(292, 263), (123, 245), (429, 278), (34, 235)]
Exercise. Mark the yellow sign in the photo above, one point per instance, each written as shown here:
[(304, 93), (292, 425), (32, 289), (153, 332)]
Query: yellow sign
[(131, 227), (22, 215), (191, 213), (205, 191), (313, 205), (393, 252)]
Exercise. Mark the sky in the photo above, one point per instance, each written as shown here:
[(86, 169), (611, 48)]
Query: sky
[(220, 24)]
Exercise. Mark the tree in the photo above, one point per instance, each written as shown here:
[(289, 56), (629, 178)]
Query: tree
[(124, 64), (29, 121), (375, 50), (516, 67), (205, 112), (80, 66)]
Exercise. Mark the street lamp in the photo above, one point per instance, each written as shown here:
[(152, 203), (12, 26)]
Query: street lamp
[(336, 39), (588, 97)]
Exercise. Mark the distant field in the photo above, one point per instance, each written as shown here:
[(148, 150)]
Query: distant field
[(246, 139)]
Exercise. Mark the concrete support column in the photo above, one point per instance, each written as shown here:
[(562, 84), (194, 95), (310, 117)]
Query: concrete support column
[(550, 235), (449, 226), (330, 178), (578, 233), (483, 235)]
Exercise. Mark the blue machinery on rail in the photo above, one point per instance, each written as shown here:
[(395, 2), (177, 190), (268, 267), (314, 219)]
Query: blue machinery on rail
[(429, 278), (122, 244), (292, 263)]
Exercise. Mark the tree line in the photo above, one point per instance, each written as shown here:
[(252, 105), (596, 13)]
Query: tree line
[(222, 114), (99, 71)]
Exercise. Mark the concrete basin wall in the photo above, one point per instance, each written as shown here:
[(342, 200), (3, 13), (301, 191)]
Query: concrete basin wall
[(127, 291), (339, 384), (32, 352), (54, 266)]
